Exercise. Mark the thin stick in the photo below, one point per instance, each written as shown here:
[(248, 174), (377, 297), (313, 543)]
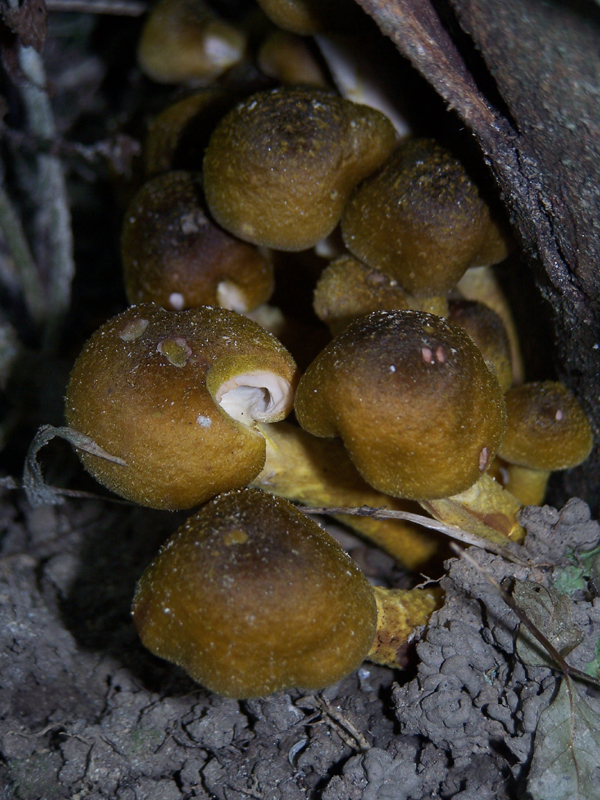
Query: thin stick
[(433, 524), (118, 8), (53, 218), (14, 237), (559, 660)]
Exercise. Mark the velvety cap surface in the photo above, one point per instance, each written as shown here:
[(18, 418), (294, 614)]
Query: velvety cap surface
[(144, 389), (250, 597), (547, 428), (413, 400)]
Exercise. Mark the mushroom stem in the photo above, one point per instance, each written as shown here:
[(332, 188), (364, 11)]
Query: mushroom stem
[(485, 509), (481, 284), (318, 472), (526, 483), (399, 613)]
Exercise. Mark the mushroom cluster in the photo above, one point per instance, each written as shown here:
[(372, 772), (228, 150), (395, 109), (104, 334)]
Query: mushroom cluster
[(417, 397)]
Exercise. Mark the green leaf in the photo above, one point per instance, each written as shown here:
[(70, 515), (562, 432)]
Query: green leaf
[(569, 580), (585, 565), (566, 755)]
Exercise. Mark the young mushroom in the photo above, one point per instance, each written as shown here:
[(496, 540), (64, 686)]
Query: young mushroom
[(547, 430), (413, 400), (181, 398), (175, 256), (481, 285), (177, 137), (421, 220), (347, 289), (280, 166), (184, 41), (488, 332), (288, 58), (418, 410), (176, 396), (307, 17), (251, 597)]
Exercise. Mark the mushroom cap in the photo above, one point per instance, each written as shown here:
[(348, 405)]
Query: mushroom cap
[(183, 40), (421, 220), (279, 167), (488, 332), (348, 289), (175, 395), (288, 58), (174, 256), (307, 17), (250, 597), (410, 394), (177, 137), (547, 428)]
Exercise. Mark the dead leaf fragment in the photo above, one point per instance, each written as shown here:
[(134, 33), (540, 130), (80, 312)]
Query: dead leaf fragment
[(27, 21), (566, 754), (550, 612)]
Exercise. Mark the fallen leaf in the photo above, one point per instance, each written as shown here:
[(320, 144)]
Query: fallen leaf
[(566, 754)]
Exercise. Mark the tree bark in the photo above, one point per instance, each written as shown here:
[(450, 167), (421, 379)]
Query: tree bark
[(540, 135)]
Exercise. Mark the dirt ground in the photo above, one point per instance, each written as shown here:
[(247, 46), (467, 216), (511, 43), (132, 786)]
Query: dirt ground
[(86, 712)]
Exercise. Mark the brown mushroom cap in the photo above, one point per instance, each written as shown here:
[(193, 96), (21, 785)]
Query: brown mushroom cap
[(348, 289), (410, 394), (420, 219), (547, 428), (250, 597), (279, 167), (307, 17), (183, 40), (173, 255), (488, 332), (288, 58), (175, 396), (177, 137)]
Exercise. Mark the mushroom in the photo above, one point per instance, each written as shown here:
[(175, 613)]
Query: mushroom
[(288, 58), (547, 430), (348, 289), (177, 137), (481, 285), (488, 332), (176, 397), (173, 255), (413, 400), (184, 41), (280, 166), (421, 220), (307, 17), (417, 408), (251, 597)]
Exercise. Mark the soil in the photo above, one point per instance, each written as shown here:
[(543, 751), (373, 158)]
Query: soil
[(87, 712)]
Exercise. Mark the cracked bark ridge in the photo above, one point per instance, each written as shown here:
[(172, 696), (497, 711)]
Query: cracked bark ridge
[(543, 147)]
